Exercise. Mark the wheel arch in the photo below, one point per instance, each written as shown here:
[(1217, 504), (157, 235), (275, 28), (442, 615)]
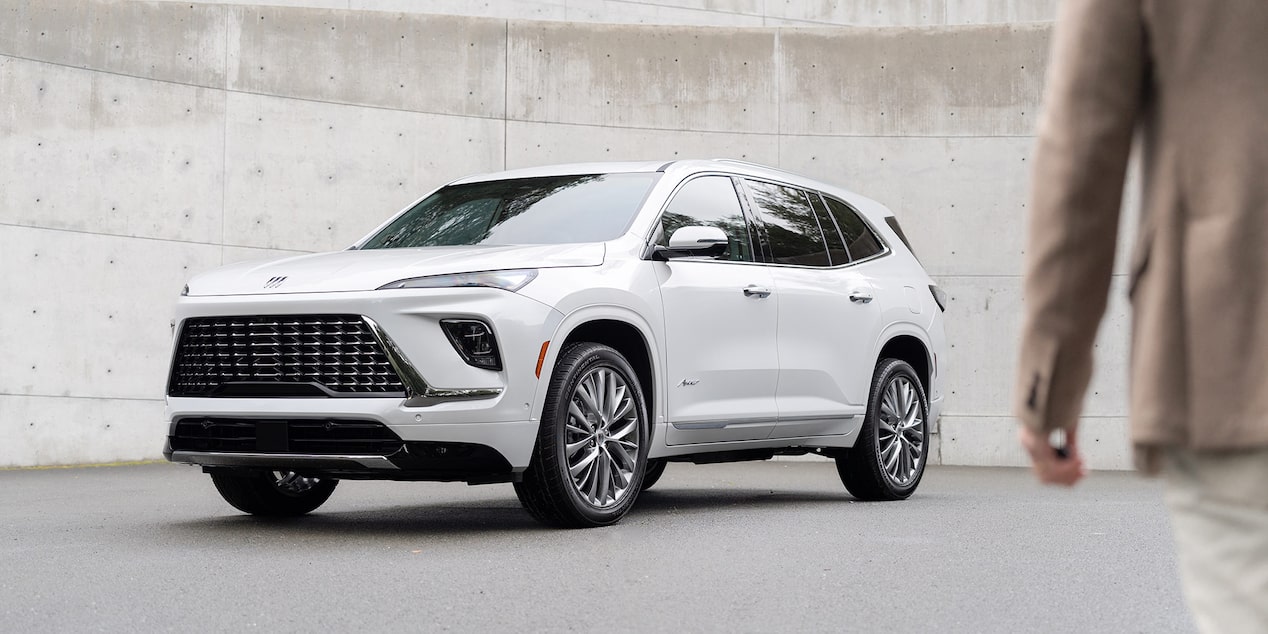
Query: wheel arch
[(914, 351), (619, 329)]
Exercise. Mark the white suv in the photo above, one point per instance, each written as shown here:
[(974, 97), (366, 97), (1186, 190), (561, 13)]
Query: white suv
[(570, 329)]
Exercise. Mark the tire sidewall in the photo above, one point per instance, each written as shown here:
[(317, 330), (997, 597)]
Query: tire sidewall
[(588, 357)]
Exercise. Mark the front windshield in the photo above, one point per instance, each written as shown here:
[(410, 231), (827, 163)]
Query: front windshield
[(543, 210)]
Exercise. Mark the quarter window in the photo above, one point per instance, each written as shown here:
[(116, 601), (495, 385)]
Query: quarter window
[(836, 246), (709, 201), (791, 228), (859, 238)]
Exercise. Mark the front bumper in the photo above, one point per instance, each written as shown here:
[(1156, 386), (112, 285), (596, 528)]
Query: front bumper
[(459, 405)]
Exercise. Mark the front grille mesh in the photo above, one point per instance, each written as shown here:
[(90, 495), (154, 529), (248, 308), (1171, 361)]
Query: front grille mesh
[(274, 354)]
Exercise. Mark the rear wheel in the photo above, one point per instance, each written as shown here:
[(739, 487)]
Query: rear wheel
[(591, 451), (272, 493), (888, 459)]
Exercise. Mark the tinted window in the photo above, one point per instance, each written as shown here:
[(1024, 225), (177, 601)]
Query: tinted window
[(791, 227), (859, 239), (709, 201), (898, 229), (836, 246), (546, 210)]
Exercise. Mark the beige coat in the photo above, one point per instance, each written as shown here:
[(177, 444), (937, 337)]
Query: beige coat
[(1188, 79)]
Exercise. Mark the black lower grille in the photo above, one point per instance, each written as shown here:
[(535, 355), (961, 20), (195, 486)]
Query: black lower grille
[(321, 436), (281, 355)]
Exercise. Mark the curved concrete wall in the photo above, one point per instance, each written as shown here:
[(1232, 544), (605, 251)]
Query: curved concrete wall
[(713, 12), (143, 142)]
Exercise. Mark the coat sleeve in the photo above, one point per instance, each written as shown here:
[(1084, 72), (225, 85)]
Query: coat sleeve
[(1093, 96)]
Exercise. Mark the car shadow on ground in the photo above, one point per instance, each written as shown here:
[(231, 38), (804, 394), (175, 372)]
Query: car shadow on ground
[(482, 517)]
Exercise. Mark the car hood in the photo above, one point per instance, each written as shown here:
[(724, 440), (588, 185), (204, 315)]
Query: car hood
[(372, 268)]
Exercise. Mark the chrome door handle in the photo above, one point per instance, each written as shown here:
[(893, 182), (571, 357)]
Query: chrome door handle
[(756, 291), (860, 296)]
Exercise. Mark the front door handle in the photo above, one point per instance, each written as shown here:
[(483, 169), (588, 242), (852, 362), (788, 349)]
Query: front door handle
[(860, 296), (756, 291)]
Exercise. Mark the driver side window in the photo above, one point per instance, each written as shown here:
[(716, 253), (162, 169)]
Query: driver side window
[(709, 201)]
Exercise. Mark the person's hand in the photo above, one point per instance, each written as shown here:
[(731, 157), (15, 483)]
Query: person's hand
[(1049, 466)]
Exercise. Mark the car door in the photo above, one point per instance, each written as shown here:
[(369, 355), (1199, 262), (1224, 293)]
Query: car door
[(828, 322), (720, 324)]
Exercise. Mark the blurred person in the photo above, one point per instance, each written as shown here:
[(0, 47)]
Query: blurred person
[(1188, 81)]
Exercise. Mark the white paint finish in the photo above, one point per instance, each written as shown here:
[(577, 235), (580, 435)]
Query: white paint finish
[(67, 431), (911, 82), (98, 152), (983, 322), (530, 144), (312, 176), (438, 64), (675, 78), (88, 316), (988, 441), (178, 42)]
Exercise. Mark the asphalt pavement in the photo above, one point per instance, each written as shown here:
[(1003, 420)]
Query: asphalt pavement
[(749, 547)]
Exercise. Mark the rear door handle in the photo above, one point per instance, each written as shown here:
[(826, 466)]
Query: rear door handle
[(756, 291), (860, 296)]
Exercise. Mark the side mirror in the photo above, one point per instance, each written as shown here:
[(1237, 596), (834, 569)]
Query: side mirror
[(688, 242)]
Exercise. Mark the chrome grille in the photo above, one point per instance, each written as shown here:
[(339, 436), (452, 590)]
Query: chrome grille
[(281, 355)]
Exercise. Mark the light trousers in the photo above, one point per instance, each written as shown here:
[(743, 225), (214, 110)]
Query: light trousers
[(1219, 514)]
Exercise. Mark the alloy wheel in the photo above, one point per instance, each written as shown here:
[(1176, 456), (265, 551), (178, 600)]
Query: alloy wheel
[(901, 431), (601, 437)]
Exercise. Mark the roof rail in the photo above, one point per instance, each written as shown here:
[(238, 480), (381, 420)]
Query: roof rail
[(752, 164)]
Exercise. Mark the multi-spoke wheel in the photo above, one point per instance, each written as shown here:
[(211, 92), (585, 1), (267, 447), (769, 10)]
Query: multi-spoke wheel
[(276, 493), (591, 449), (888, 458)]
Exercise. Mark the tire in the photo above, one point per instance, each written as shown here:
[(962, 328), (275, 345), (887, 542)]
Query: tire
[(886, 464), (579, 416), (655, 469), (272, 493)]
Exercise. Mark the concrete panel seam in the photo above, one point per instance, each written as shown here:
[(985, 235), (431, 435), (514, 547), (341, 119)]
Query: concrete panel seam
[(99, 397), (609, 126), (148, 238)]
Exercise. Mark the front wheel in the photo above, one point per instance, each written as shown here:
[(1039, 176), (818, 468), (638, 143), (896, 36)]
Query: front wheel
[(591, 449), (655, 469), (888, 459), (272, 493)]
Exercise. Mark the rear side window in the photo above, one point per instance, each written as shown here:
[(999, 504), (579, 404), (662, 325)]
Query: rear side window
[(709, 201), (791, 228), (859, 238), (836, 246)]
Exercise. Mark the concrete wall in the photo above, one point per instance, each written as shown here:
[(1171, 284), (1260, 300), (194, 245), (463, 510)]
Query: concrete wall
[(142, 142), (713, 12)]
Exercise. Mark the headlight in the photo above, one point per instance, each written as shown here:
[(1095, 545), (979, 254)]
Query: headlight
[(510, 280)]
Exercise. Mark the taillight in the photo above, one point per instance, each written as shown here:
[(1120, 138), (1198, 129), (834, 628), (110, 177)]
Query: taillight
[(939, 296)]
